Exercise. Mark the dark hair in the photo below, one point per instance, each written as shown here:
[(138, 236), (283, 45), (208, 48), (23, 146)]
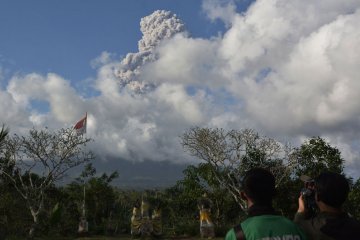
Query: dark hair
[(259, 186), (332, 189)]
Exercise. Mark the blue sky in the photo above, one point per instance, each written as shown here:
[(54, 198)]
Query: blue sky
[(64, 36), (232, 64)]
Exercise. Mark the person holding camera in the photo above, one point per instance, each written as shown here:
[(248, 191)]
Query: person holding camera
[(263, 222), (329, 222)]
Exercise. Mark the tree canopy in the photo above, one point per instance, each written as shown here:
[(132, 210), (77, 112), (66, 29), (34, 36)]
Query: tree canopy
[(33, 163), (231, 153)]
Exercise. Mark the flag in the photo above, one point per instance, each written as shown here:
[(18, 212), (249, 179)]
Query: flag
[(80, 126)]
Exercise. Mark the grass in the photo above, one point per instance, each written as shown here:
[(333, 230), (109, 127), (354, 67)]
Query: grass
[(124, 237), (129, 238), (119, 237)]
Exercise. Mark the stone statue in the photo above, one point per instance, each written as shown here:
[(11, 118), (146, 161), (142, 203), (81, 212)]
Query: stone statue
[(146, 227), (83, 226), (156, 221), (136, 219), (146, 220)]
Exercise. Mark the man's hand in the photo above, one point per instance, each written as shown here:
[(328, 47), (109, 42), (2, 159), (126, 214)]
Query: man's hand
[(301, 208)]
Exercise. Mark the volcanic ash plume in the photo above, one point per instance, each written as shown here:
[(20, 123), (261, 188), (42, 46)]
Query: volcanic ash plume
[(156, 27)]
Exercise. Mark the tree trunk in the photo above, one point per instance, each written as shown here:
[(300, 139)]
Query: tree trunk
[(34, 214)]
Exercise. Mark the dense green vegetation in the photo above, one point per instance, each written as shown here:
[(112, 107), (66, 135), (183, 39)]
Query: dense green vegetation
[(224, 158)]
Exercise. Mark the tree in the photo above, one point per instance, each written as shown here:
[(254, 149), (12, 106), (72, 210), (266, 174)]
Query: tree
[(200, 179), (352, 205), (36, 162), (315, 156), (3, 134), (9, 202), (124, 203), (100, 197), (231, 153)]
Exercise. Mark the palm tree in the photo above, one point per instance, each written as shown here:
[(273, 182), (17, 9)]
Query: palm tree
[(3, 133)]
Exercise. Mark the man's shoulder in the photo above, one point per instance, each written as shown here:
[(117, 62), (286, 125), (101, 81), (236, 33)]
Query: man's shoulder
[(332, 226), (230, 235), (268, 218), (274, 224), (342, 228)]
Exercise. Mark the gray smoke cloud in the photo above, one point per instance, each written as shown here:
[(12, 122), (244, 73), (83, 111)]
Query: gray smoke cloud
[(157, 27)]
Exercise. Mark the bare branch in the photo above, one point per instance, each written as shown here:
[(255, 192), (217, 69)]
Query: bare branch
[(35, 162), (232, 153)]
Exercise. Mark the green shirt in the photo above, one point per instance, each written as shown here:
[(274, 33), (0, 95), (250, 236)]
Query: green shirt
[(268, 227)]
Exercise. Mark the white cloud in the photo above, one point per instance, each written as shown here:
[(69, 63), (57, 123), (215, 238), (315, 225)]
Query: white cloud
[(311, 86), (223, 10), (286, 68), (186, 61), (62, 98), (104, 58), (183, 107), (11, 113)]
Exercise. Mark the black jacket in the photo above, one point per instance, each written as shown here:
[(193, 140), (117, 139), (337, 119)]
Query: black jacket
[(329, 226)]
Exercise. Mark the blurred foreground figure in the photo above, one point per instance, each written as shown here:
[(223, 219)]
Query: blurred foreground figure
[(263, 222), (330, 222), (206, 225)]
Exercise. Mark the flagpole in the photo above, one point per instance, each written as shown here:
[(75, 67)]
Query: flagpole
[(84, 201), (84, 210), (80, 126), (84, 181), (85, 122)]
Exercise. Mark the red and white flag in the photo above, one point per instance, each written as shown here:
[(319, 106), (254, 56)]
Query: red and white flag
[(80, 126)]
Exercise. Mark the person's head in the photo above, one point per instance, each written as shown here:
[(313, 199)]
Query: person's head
[(258, 185), (331, 189)]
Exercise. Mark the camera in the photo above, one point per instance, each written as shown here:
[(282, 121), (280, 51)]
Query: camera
[(308, 194)]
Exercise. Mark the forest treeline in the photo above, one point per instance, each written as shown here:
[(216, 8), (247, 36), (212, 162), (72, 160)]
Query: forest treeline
[(33, 204)]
